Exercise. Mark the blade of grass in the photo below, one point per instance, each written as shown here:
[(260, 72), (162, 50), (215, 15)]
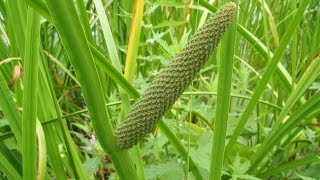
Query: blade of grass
[(114, 74), (52, 144), (272, 24), (309, 76), (83, 15), (41, 7), (10, 110), (111, 46), (134, 39), (17, 15), (223, 102), (305, 110), (268, 72), (294, 47), (290, 165), (8, 163), (129, 72), (29, 114), (50, 109)]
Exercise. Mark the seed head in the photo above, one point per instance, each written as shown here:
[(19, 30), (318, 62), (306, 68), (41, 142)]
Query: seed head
[(173, 80)]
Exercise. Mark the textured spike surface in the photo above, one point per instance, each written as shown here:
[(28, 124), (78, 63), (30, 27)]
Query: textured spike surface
[(173, 80)]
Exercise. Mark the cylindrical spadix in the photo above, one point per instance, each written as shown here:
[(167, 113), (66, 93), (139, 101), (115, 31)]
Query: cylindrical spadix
[(173, 79)]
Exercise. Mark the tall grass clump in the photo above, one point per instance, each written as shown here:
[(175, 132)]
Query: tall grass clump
[(229, 89)]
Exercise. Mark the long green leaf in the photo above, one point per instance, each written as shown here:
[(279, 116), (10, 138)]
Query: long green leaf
[(29, 115), (40, 7), (8, 163), (17, 15), (115, 75), (10, 110), (223, 102), (309, 76), (129, 71), (111, 46), (290, 165), (306, 109), (46, 110)]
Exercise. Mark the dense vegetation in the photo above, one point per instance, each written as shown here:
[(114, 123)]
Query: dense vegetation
[(71, 70)]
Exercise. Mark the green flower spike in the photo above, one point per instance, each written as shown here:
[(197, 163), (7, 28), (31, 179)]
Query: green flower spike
[(173, 80)]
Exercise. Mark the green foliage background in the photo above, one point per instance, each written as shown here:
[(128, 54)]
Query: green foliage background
[(70, 70)]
